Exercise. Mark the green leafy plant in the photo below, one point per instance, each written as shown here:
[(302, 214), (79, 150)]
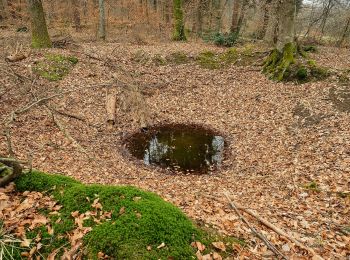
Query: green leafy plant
[(225, 39)]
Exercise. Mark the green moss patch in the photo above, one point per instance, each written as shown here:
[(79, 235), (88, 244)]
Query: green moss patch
[(178, 58), (291, 64), (55, 67), (139, 221)]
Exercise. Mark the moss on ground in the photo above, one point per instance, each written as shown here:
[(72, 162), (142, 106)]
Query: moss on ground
[(55, 66), (146, 220), (178, 57)]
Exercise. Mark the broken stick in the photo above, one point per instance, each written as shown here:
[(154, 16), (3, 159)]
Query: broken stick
[(280, 232), (255, 232)]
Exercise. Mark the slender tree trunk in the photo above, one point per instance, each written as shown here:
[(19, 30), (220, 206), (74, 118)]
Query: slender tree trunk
[(237, 6), (345, 32), (197, 25), (102, 20), (179, 25), (265, 19), (76, 15), (40, 35), (3, 13)]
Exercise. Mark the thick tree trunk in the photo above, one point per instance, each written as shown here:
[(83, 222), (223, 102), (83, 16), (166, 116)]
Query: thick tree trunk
[(102, 20), (179, 25), (40, 35), (286, 22), (280, 59)]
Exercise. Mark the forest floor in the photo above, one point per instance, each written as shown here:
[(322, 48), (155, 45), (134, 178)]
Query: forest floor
[(289, 144)]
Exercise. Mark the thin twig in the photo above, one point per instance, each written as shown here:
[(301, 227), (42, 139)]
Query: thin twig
[(279, 231), (255, 232), (62, 128)]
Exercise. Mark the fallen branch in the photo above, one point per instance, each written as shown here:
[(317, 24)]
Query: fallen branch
[(62, 128), (14, 168), (111, 100), (255, 232), (280, 232)]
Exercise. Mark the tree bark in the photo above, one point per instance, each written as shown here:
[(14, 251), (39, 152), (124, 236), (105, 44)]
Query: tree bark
[(3, 13), (102, 20), (265, 19), (179, 25), (345, 32), (40, 35), (286, 22), (76, 15), (237, 4)]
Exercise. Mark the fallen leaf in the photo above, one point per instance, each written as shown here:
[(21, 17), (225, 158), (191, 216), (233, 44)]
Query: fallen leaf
[(122, 210), (216, 256), (219, 245)]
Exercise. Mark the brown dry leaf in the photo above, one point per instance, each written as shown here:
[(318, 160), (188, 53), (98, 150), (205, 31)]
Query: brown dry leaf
[(207, 257), (26, 242), (216, 256), (53, 254), (199, 246), (122, 210), (96, 204), (39, 220), (219, 245), (50, 230), (68, 255), (24, 205), (149, 248), (199, 255), (75, 214), (100, 255)]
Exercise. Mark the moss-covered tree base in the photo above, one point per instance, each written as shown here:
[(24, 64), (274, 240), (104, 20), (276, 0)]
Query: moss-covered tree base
[(291, 64)]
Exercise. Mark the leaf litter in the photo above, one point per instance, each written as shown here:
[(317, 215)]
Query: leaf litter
[(271, 161)]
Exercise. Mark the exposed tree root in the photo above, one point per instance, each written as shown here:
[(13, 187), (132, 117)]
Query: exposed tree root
[(10, 169), (291, 64)]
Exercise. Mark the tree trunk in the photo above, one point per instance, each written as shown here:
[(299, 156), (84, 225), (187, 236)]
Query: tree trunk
[(102, 20), (76, 15), (3, 13), (345, 32), (265, 19), (40, 35), (179, 26), (198, 23), (237, 4), (280, 59), (286, 23)]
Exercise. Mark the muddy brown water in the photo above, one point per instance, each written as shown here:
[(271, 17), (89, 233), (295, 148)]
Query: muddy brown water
[(180, 148)]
